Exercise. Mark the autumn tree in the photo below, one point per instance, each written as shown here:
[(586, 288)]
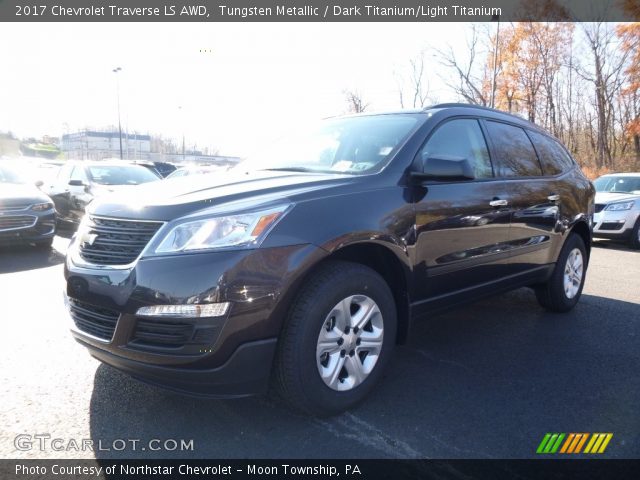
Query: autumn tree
[(355, 102), (413, 84), (470, 72), (630, 43)]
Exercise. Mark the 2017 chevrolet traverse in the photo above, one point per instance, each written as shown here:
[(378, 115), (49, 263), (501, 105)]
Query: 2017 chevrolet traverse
[(303, 269)]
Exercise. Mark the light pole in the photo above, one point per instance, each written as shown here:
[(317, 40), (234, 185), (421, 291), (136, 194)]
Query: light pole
[(182, 123), (116, 71), (495, 62)]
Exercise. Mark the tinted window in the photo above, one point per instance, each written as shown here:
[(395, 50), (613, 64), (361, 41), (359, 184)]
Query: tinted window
[(8, 175), (622, 184), (121, 174), (460, 138), (78, 174), (553, 157), (351, 145), (64, 173), (514, 152)]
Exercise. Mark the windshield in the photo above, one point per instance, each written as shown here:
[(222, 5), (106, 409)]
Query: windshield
[(353, 145), (121, 175), (9, 175), (621, 184)]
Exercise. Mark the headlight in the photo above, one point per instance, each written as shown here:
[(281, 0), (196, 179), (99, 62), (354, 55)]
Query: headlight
[(245, 229), (41, 207), (616, 207)]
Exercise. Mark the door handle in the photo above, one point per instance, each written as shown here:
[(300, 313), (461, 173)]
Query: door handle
[(498, 203), (554, 197)]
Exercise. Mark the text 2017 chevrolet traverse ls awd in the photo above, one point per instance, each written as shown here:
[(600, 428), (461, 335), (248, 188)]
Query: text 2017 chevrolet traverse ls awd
[(304, 268)]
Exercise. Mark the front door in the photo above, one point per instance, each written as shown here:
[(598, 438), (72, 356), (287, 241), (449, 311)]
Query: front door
[(461, 226)]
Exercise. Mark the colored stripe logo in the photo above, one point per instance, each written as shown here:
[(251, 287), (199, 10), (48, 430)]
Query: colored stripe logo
[(574, 443)]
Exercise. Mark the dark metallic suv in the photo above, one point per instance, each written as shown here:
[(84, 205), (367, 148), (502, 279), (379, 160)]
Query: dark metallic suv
[(302, 269)]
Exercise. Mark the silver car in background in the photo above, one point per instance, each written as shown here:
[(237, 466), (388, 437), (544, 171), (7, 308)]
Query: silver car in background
[(617, 213)]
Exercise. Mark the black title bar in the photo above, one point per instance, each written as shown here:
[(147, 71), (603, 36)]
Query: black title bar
[(325, 469), (317, 11)]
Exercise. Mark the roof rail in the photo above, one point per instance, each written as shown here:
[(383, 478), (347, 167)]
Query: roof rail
[(489, 109), (463, 105)]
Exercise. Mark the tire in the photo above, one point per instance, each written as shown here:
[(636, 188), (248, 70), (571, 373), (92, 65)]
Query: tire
[(634, 241), (316, 376), (44, 244), (556, 295)]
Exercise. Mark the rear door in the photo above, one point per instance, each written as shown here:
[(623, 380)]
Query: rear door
[(533, 199), (461, 227)]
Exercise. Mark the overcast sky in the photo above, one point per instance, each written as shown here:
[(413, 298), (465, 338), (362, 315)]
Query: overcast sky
[(253, 79)]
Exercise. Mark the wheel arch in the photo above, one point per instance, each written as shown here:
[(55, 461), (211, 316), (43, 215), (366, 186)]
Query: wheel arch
[(395, 272), (582, 229)]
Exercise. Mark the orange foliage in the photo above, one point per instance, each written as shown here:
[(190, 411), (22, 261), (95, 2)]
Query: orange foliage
[(630, 36), (528, 52), (594, 172), (632, 8)]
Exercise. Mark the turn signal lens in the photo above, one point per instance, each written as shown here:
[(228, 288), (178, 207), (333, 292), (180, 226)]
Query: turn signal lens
[(185, 311), (41, 207)]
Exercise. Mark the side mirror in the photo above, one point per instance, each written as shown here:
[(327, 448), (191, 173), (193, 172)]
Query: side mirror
[(76, 183), (39, 183), (446, 167)]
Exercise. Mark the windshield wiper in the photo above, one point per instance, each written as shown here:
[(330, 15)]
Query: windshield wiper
[(291, 169)]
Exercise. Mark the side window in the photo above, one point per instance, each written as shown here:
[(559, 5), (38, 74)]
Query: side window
[(460, 138), (79, 174), (64, 174), (515, 156), (553, 157)]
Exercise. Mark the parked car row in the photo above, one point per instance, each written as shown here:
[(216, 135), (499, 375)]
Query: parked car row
[(69, 186), (27, 215), (617, 211)]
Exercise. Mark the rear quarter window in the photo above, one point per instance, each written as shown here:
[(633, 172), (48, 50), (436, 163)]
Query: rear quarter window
[(514, 152), (553, 156)]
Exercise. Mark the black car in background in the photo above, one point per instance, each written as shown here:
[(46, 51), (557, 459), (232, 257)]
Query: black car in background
[(27, 215), (79, 182), (303, 269), (162, 169)]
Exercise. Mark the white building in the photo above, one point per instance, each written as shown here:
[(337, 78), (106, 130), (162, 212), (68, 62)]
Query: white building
[(95, 145)]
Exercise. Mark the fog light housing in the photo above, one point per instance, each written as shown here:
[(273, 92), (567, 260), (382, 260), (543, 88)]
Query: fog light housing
[(185, 311)]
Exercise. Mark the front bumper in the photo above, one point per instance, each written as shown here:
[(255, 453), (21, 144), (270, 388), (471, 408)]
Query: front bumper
[(220, 356), (41, 227), (614, 225)]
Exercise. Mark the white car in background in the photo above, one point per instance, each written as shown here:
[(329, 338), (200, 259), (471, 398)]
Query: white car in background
[(617, 214)]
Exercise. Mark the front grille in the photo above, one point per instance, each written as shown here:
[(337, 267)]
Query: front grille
[(14, 222), (162, 333), (14, 208), (116, 241), (599, 207), (97, 321)]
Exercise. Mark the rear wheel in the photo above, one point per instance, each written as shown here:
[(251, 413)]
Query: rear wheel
[(337, 340), (563, 290)]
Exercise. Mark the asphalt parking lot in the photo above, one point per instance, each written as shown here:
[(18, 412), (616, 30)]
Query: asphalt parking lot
[(484, 381)]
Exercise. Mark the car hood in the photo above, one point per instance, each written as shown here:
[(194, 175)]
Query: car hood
[(213, 193), (17, 194), (608, 197)]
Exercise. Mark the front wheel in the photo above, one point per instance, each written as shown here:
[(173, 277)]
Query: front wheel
[(634, 241), (563, 290), (337, 340)]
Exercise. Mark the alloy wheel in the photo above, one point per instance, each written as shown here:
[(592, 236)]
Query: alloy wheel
[(349, 342), (573, 272)]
